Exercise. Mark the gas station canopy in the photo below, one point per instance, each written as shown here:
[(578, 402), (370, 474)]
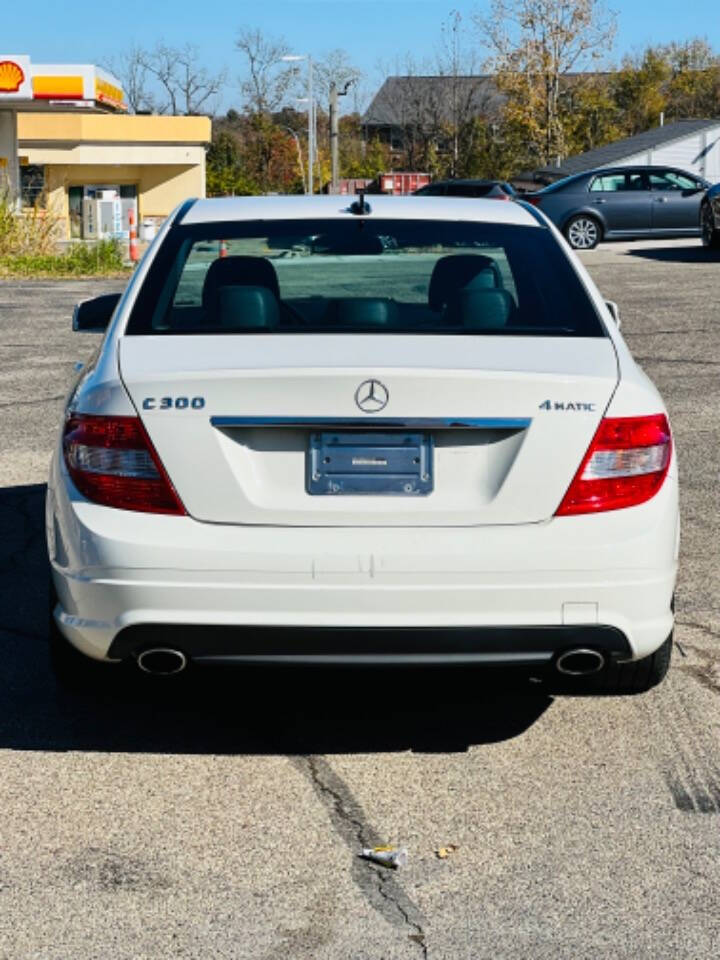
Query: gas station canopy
[(26, 86), (33, 86)]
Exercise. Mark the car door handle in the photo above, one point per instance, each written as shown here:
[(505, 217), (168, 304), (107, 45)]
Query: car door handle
[(600, 200), (661, 199)]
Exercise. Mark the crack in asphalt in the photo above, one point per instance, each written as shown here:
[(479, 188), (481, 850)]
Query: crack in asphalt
[(31, 403), (680, 360), (378, 884), (680, 330), (715, 634)]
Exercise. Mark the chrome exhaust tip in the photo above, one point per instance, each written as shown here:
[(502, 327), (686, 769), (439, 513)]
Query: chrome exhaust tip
[(580, 662), (162, 661)]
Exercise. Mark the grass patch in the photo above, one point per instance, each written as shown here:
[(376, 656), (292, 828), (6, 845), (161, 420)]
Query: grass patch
[(104, 258), (29, 246)]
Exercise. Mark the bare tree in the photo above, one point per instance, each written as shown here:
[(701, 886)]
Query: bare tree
[(436, 109), (410, 103), (466, 94), (533, 44), (167, 79), (268, 79), (187, 87), (335, 67), (129, 67)]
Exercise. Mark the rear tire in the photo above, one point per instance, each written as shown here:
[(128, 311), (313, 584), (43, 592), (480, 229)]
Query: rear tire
[(637, 676), (583, 232), (710, 234)]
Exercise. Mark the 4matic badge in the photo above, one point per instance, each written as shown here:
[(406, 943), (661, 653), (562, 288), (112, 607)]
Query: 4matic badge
[(576, 405)]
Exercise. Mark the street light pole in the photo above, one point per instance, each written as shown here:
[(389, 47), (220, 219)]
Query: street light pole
[(294, 58), (299, 153)]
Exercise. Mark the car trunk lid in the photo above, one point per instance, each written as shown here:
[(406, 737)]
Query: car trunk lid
[(505, 421)]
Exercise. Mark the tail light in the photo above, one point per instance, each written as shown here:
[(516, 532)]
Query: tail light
[(625, 465), (535, 201), (112, 461)]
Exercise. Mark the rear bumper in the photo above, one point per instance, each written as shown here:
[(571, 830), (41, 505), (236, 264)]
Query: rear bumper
[(370, 645), (123, 579)]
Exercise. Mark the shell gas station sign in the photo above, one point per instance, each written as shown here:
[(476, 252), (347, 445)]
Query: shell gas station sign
[(15, 78)]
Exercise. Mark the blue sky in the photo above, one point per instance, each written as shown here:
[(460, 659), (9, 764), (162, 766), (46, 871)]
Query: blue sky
[(372, 31)]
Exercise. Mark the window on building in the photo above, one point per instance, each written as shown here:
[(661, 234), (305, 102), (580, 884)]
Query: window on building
[(32, 185)]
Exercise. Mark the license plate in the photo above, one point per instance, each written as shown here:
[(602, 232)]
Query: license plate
[(370, 464)]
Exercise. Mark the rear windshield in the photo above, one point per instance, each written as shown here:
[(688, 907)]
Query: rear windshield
[(363, 276)]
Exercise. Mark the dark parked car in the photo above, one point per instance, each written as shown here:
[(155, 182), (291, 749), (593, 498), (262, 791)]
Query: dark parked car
[(710, 218), (495, 189), (623, 202)]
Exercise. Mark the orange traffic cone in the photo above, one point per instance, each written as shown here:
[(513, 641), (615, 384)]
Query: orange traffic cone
[(223, 249), (134, 252)]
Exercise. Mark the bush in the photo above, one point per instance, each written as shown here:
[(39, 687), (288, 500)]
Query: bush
[(80, 260), (29, 246), (33, 231)]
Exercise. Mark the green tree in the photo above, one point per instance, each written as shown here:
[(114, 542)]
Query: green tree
[(590, 116), (226, 173), (534, 45), (357, 157), (639, 90), (694, 86)]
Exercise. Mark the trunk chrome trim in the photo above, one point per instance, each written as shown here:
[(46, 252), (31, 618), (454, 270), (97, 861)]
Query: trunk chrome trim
[(371, 422)]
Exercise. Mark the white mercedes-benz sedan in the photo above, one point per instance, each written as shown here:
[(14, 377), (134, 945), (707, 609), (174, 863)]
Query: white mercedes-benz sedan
[(362, 431)]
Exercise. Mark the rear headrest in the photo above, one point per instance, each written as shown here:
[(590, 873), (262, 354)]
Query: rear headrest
[(238, 272), (246, 308), (480, 309), (461, 271), (362, 312)]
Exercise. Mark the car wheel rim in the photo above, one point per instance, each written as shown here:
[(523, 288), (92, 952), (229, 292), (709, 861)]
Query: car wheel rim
[(583, 234)]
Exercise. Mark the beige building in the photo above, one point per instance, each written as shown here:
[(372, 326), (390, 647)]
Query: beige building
[(67, 145), (92, 169)]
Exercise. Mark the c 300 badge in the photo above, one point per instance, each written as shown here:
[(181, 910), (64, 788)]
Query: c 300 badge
[(173, 403)]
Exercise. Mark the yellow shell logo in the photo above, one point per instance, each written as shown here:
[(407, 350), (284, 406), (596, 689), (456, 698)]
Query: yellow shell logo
[(11, 76)]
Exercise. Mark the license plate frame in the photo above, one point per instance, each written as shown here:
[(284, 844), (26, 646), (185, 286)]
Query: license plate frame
[(370, 463)]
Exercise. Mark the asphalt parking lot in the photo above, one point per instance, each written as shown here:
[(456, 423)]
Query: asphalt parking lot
[(223, 819)]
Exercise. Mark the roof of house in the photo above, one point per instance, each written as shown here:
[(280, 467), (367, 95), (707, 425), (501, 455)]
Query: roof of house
[(427, 100), (620, 150), (431, 100)]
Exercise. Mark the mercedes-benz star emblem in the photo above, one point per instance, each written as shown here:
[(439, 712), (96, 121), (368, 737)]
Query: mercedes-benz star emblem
[(372, 396)]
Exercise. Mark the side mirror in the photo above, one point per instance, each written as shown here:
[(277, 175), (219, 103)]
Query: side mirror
[(95, 315), (614, 310)]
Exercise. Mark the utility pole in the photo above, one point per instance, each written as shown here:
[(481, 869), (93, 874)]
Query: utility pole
[(334, 133)]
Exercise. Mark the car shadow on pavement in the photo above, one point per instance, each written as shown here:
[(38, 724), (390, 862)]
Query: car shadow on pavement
[(697, 254), (254, 710)]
